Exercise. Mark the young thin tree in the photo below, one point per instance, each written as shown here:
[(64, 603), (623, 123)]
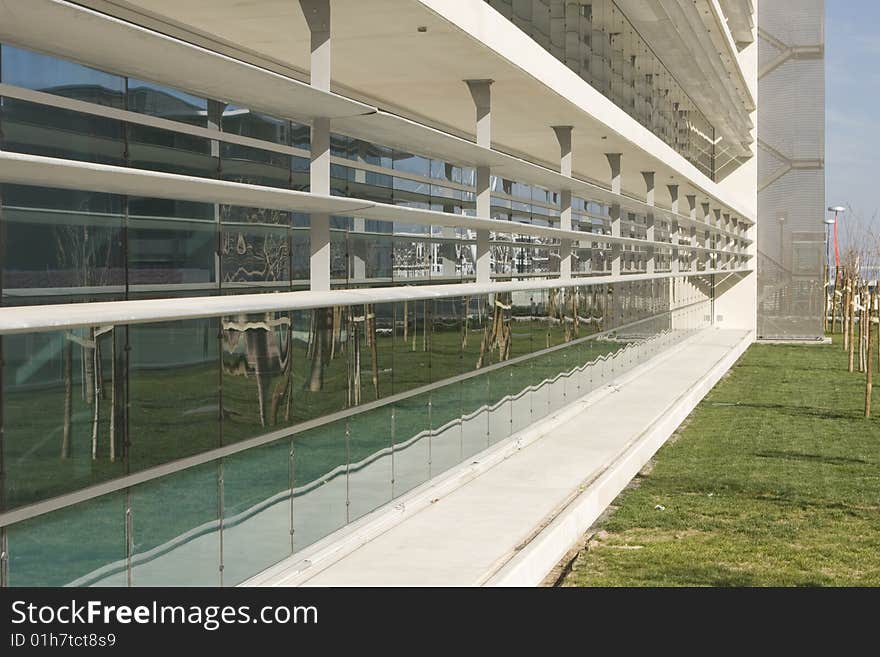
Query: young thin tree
[(869, 365)]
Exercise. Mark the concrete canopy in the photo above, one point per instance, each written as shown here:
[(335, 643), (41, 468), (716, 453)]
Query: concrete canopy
[(379, 56)]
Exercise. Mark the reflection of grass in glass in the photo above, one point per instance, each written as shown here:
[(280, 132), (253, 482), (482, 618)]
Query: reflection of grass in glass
[(56, 548), (178, 422), (174, 411)]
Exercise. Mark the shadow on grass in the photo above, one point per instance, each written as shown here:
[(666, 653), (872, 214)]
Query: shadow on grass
[(812, 458), (799, 411), (811, 368)]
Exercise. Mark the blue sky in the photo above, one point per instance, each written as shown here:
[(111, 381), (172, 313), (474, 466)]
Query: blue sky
[(852, 69)]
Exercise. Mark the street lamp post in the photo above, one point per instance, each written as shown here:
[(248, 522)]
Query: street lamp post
[(837, 209)]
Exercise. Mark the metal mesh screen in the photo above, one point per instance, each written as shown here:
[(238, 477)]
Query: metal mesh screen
[(791, 168)]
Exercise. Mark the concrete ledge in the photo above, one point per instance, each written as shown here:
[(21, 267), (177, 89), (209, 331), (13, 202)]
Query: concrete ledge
[(509, 514), (296, 569), (531, 564), (795, 341)]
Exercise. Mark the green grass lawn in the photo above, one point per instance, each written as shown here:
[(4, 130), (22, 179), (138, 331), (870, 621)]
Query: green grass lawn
[(774, 480)]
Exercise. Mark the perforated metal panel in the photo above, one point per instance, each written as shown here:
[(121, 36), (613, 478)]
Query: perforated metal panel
[(791, 168)]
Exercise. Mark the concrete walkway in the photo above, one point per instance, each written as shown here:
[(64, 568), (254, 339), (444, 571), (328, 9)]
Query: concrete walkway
[(510, 523)]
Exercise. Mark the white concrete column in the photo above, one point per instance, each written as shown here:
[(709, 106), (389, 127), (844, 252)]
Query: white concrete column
[(480, 92), (215, 122), (614, 164), (649, 201), (674, 228), (692, 213), (706, 258), (563, 136), (725, 226), (317, 15)]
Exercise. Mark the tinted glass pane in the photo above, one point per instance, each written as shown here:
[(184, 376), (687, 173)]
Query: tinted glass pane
[(180, 548), (412, 438), (43, 130), (25, 68), (63, 420), (171, 252), (81, 545), (320, 460), (256, 511), (258, 385), (175, 404), (370, 461), (60, 249), (166, 102)]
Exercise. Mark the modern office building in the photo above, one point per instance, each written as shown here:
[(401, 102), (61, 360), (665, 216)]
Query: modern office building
[(270, 267)]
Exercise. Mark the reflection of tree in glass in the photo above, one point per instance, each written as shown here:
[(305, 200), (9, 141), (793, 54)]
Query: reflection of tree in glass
[(254, 256), (253, 347), (88, 258), (362, 324), (497, 337)]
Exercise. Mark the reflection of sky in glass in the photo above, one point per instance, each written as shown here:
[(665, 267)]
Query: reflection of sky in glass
[(188, 99), (35, 71)]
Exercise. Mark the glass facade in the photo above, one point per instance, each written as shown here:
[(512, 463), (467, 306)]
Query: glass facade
[(370, 401), (597, 41), (322, 415)]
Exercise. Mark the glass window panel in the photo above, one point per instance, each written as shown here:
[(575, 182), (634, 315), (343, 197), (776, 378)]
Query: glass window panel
[(256, 510), (321, 376), (63, 420), (446, 336), (370, 256), (171, 252), (320, 462), (446, 447), (32, 70), (43, 130), (242, 121), (81, 545), (254, 254), (49, 248), (172, 152), (475, 337), (253, 166), (175, 402), (501, 387), (180, 548), (475, 415), (412, 443), (412, 356), (258, 386), (370, 461), (167, 103)]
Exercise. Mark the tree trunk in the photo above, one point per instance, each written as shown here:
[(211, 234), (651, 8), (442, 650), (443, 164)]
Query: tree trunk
[(844, 313), (464, 323), (112, 436), (96, 399), (68, 397), (405, 322), (370, 312), (316, 371), (869, 366), (860, 311), (851, 332), (834, 296), (425, 324), (356, 378), (89, 366)]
